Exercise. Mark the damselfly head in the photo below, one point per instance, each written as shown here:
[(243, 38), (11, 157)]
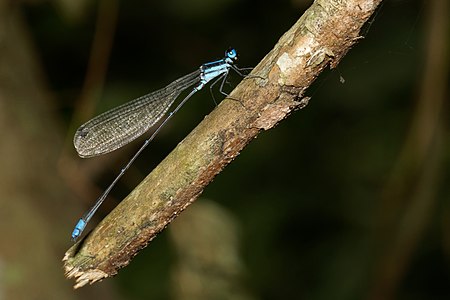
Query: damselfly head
[(231, 53)]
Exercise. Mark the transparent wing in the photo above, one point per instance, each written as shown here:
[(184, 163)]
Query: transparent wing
[(121, 125)]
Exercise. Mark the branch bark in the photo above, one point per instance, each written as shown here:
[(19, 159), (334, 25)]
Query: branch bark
[(321, 37)]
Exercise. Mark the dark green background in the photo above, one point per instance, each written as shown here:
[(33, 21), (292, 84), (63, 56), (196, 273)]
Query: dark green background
[(309, 195)]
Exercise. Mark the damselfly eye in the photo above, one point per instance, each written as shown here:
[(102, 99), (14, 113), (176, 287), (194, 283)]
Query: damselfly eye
[(231, 53)]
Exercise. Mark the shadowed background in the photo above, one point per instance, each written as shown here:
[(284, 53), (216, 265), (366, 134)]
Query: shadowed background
[(346, 199)]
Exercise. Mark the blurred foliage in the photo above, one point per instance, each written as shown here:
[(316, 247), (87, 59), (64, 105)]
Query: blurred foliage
[(307, 195)]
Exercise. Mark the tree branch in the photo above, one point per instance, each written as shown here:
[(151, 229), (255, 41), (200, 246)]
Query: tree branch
[(321, 37)]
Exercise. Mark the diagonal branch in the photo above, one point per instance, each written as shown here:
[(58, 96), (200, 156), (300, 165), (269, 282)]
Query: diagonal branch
[(321, 37)]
